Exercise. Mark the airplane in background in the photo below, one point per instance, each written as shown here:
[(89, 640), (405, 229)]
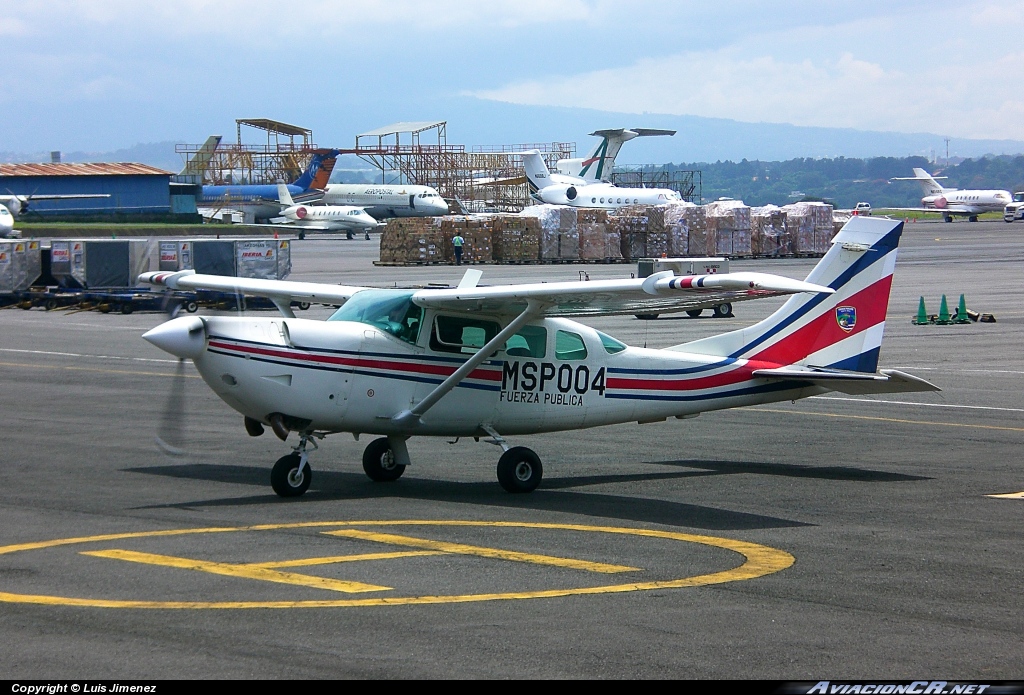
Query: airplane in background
[(562, 189), (494, 361), (260, 201), (328, 218), (953, 201), (598, 165), (382, 201), (12, 205), (195, 167)]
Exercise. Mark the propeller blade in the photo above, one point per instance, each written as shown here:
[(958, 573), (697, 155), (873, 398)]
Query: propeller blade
[(171, 438)]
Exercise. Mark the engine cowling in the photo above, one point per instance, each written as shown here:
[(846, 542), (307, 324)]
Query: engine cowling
[(939, 202), (559, 194)]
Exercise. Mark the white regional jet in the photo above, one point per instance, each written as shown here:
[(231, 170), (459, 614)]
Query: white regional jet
[(13, 205), (598, 165), (328, 218), (952, 201), (490, 362), (382, 201), (562, 189)]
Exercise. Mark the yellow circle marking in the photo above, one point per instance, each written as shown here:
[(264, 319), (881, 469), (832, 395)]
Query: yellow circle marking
[(760, 560)]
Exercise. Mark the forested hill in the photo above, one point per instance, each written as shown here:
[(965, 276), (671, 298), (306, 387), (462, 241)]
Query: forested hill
[(845, 182)]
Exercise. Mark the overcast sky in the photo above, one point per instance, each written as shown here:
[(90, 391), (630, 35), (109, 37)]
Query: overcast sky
[(102, 75)]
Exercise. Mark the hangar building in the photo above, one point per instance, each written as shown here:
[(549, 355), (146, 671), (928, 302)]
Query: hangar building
[(133, 189)]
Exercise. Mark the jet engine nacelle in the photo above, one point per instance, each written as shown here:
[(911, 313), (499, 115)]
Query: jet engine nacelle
[(559, 195), (296, 212), (938, 201)]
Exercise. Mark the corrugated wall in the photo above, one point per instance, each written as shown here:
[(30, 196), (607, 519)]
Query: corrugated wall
[(128, 194)]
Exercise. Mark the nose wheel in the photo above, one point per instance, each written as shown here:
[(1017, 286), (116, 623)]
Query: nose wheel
[(290, 478)]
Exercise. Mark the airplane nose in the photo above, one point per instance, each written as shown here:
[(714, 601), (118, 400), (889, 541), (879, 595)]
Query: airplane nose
[(183, 337)]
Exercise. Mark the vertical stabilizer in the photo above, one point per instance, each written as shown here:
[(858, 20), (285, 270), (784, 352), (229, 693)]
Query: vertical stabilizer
[(283, 196), (319, 170), (842, 330), (536, 171), (197, 165), (598, 164)]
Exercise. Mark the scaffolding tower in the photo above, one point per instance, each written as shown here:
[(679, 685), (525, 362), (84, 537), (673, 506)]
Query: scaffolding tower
[(485, 178), (281, 159)]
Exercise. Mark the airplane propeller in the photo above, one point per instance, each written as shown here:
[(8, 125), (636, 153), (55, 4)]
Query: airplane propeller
[(171, 437)]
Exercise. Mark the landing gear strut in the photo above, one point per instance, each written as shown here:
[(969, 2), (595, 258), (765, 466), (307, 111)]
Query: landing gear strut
[(519, 468), (292, 474)]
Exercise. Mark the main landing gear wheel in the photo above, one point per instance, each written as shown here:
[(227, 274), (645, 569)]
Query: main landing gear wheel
[(723, 310), (519, 470), (379, 462), (972, 218), (287, 480)]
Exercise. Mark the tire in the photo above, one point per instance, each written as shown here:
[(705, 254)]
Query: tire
[(303, 306), (50, 304), (723, 310), (694, 313), (519, 470), (379, 462), (646, 317), (284, 480), (127, 308), (947, 218), (302, 235), (192, 307), (972, 218)]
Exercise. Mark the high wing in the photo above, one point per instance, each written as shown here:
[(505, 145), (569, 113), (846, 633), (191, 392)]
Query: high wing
[(661, 293)]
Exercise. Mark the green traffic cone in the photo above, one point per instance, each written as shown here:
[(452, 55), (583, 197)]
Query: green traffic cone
[(961, 311), (944, 317), (922, 316)]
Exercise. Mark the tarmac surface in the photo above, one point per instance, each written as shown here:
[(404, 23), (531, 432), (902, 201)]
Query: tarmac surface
[(834, 537)]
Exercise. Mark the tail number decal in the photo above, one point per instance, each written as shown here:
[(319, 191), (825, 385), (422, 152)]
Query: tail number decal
[(544, 382)]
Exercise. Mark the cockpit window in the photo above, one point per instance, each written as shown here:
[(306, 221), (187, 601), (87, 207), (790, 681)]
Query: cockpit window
[(392, 311), (611, 345)]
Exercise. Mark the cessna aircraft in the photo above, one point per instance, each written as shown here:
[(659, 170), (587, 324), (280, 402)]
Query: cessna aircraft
[(561, 189), (952, 201), (476, 361), (329, 218), (598, 165), (383, 201)]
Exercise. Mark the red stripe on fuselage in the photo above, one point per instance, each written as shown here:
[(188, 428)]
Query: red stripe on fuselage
[(871, 304), (358, 362), (737, 375)]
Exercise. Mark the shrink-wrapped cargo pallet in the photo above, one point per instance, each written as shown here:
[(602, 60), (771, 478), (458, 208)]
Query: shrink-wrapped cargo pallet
[(729, 220), (516, 239), (810, 226), (768, 235), (559, 238)]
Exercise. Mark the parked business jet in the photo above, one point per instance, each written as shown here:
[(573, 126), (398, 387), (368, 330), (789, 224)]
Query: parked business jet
[(597, 166), (327, 218), (562, 189), (382, 201), (952, 201)]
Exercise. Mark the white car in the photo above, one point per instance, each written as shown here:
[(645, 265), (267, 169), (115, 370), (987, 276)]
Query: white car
[(1015, 210), (862, 209)]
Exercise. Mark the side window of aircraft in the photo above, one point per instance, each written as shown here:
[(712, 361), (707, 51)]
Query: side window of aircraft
[(611, 345), (530, 341), (569, 346), (390, 311), (461, 335)]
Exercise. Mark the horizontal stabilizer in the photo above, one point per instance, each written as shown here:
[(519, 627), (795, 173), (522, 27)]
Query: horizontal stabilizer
[(885, 381)]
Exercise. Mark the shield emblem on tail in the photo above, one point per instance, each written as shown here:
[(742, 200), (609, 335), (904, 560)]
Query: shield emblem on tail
[(846, 317)]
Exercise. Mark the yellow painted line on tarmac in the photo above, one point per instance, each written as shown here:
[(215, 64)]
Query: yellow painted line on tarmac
[(1009, 496), (242, 571), (479, 551), (96, 369), (892, 419), (312, 561), (758, 561)]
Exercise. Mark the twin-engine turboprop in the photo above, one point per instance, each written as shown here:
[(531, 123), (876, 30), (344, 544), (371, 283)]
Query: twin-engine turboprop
[(497, 361)]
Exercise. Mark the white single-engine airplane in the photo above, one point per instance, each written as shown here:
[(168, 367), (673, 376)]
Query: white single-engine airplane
[(490, 362), (953, 201)]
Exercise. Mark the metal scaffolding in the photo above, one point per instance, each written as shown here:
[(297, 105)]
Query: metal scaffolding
[(281, 159), (485, 178)]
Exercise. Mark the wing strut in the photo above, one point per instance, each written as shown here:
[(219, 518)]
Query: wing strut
[(412, 416)]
